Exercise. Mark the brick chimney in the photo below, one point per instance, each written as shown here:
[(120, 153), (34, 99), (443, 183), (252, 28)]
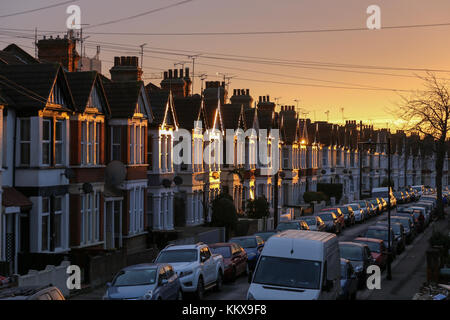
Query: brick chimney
[(242, 96), (62, 50), (126, 69), (210, 92), (265, 104), (178, 81)]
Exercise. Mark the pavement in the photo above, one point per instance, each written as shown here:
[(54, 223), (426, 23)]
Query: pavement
[(408, 270)]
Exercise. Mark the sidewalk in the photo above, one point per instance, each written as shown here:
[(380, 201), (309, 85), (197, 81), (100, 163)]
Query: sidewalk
[(409, 271)]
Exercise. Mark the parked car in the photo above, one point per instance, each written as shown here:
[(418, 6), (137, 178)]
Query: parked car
[(400, 197), (265, 235), (411, 219), (32, 293), (297, 265), (292, 225), (408, 227), (147, 281), (377, 250), (331, 221), (358, 212), (384, 204), (234, 259), (315, 223), (349, 281), (339, 215), (381, 232), (366, 206), (377, 204), (399, 233), (197, 268), (349, 215), (360, 257), (372, 210), (253, 245), (425, 211)]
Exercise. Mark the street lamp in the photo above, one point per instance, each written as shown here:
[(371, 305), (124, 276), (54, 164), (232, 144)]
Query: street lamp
[(388, 143)]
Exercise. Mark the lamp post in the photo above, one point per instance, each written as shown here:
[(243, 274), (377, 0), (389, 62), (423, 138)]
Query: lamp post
[(388, 143)]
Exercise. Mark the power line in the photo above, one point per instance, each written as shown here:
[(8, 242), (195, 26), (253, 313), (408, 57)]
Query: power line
[(37, 9), (139, 15), (245, 33)]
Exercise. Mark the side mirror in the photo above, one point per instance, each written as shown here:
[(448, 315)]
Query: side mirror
[(163, 282), (250, 276), (108, 284)]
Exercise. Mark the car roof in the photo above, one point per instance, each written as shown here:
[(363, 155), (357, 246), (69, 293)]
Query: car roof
[(267, 231), (349, 243), (220, 244), (24, 291), (243, 237), (377, 227), (368, 239)]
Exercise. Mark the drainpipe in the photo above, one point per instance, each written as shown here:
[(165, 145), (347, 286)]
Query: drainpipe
[(14, 153)]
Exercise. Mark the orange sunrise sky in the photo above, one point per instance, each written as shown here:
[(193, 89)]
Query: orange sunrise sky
[(411, 48)]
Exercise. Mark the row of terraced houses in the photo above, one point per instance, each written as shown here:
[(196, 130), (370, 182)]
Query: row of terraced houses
[(87, 160)]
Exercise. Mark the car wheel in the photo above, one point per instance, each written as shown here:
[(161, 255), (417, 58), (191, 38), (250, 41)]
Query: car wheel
[(219, 282), (200, 289)]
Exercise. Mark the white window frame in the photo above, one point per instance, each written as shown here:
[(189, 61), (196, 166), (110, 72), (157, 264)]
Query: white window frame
[(49, 141), (23, 142)]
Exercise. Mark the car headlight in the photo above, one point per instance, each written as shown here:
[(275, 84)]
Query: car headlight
[(148, 295), (250, 296), (186, 273)]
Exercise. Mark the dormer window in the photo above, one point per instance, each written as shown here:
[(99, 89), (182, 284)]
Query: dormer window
[(90, 147), (56, 96)]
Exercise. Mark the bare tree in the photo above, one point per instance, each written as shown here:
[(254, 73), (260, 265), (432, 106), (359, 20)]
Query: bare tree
[(427, 112)]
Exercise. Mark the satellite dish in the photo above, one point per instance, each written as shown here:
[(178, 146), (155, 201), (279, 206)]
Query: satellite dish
[(178, 180), (87, 187), (115, 173), (69, 173)]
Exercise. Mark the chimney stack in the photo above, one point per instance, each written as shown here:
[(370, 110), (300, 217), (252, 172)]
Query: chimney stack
[(126, 69), (60, 50)]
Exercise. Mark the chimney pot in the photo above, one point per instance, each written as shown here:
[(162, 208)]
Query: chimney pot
[(187, 72), (116, 61), (264, 98), (268, 98), (181, 73), (260, 98), (170, 73), (248, 92), (165, 75), (223, 84), (175, 73)]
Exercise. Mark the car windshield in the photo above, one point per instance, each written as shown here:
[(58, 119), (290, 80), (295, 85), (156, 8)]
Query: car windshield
[(288, 226), (373, 246), (377, 234), (355, 206), (344, 210), (326, 216), (246, 242), (351, 252), (127, 278), (265, 235), (311, 221), (394, 226), (293, 273), (174, 256), (224, 251)]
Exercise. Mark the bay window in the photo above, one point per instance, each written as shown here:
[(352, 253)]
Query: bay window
[(90, 142), (90, 218), (25, 142), (45, 224), (46, 141), (136, 210)]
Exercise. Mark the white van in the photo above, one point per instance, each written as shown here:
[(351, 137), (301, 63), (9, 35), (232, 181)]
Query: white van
[(297, 265)]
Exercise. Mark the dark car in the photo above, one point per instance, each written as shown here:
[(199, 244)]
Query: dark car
[(359, 256), (410, 217), (32, 293), (339, 215), (382, 233), (400, 197), (265, 235), (349, 281), (292, 225), (315, 223), (234, 259), (377, 249), (349, 215), (253, 246), (408, 226), (148, 281), (399, 233), (331, 221)]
